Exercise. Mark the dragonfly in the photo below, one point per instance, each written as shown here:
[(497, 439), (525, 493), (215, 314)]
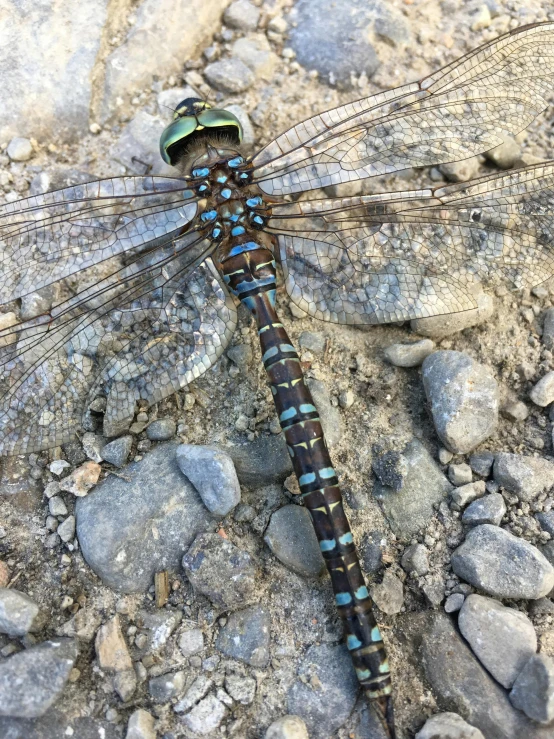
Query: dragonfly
[(146, 271)]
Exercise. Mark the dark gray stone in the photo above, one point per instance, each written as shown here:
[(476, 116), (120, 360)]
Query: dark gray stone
[(420, 485), (165, 687), (502, 638), (291, 537), (502, 565), (213, 474), (19, 614), (548, 328), (546, 521), (162, 429), (245, 636), (464, 399), (526, 477), (262, 461), (312, 341), (533, 690), (32, 680), (221, 571), (460, 684), (326, 691), (117, 451), (129, 528), (229, 75), (448, 726), (318, 38), (489, 509)]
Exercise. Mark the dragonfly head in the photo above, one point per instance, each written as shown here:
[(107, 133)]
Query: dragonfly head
[(194, 122)]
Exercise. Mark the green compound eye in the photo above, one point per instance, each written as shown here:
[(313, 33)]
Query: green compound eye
[(192, 116)]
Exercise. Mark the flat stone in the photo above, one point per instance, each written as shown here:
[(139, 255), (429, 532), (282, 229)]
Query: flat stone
[(438, 327), (130, 528), (242, 14), (502, 638), (262, 461), (419, 485), (502, 565), (240, 354), (481, 463), (326, 689), (229, 75), (221, 571), (241, 689), (409, 355), (464, 399), (416, 559), (206, 716), (19, 614), (287, 727), (164, 688), (460, 474), (389, 594), (245, 636), (31, 681), (141, 725), (542, 393), (465, 494), (533, 690), (448, 726), (117, 452), (198, 689), (292, 539), (66, 530), (83, 625), (162, 429), (81, 480), (526, 477), (191, 642), (114, 658), (329, 415), (213, 474), (158, 625), (488, 509)]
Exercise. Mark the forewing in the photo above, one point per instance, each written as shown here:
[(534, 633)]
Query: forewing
[(45, 238), (144, 332), (397, 256), (467, 108)]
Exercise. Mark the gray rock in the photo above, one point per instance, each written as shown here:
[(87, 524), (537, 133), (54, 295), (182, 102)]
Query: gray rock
[(245, 636), (502, 565), (448, 726), (19, 149), (93, 445), (326, 689), (291, 537), (516, 411), (57, 506), (464, 399), (481, 463), (158, 625), (221, 571), (137, 148), (241, 354), (32, 680), (117, 451), (165, 687), (460, 474), (120, 410), (256, 53), (242, 15), (213, 474), (548, 328), (371, 551), (130, 528), (438, 327), (48, 727), (206, 716), (526, 477), (129, 68), (467, 493), (533, 690), (409, 355), (461, 684), (433, 590), (83, 625), (317, 37), (66, 530), (506, 154), (419, 486), (548, 551), (489, 509), (287, 727), (19, 614), (546, 521), (389, 594), (416, 559), (196, 692), (229, 75), (161, 430), (34, 304), (461, 171), (502, 638), (312, 341), (141, 725), (454, 602), (542, 393), (191, 642), (241, 689), (261, 462), (329, 415)]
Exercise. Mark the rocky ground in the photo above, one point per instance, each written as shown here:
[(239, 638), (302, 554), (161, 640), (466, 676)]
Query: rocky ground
[(441, 432)]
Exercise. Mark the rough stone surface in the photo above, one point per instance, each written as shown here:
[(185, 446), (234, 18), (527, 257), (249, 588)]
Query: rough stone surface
[(409, 355), (130, 528), (468, 493), (165, 687), (206, 716), (416, 559), (437, 327), (543, 392), (417, 485), (448, 726), (117, 451), (389, 594), (221, 571), (229, 75), (533, 690), (464, 399), (162, 429), (141, 725), (213, 474), (191, 642), (19, 614), (48, 727), (261, 462), (526, 477), (242, 14), (489, 509), (287, 727), (327, 694), (32, 680), (291, 537), (329, 415), (460, 474), (114, 658), (245, 636), (502, 638), (502, 565)]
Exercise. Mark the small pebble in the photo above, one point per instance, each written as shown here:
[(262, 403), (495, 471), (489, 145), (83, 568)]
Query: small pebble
[(448, 726), (287, 727), (191, 642), (465, 494), (416, 559), (460, 474), (409, 355), (542, 394), (488, 509), (454, 602), (161, 430), (20, 149)]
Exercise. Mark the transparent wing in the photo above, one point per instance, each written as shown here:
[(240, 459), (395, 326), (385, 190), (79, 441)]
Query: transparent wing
[(397, 256), (145, 331), (48, 237), (466, 108)]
